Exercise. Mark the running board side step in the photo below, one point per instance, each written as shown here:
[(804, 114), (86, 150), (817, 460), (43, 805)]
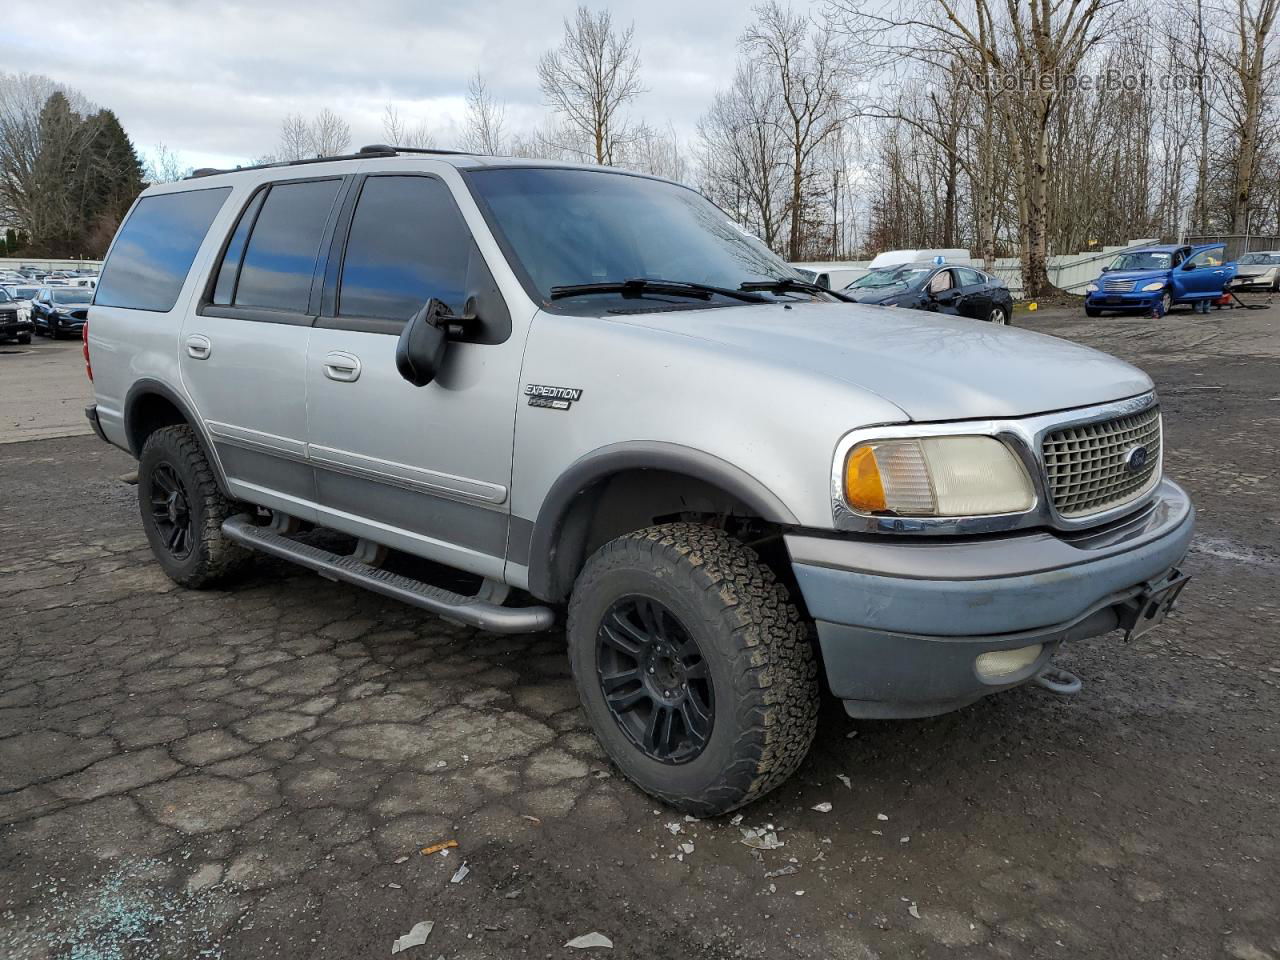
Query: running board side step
[(451, 606)]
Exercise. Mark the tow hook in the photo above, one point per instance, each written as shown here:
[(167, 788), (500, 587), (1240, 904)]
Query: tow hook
[(1059, 681)]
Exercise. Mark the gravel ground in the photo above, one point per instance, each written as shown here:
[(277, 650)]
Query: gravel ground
[(252, 773)]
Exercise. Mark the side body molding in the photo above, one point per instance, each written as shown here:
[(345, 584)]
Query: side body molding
[(544, 580)]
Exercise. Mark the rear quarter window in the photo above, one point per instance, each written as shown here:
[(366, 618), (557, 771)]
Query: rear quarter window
[(155, 248)]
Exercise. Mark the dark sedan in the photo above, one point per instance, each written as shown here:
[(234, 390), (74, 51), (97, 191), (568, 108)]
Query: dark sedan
[(60, 311), (13, 324), (939, 288)]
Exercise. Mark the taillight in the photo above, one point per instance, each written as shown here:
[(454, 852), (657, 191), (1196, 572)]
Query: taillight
[(84, 339)]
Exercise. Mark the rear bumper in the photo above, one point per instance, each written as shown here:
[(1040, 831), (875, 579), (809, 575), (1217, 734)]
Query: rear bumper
[(91, 414), (901, 624)]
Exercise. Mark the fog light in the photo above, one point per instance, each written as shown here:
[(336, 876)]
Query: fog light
[(1005, 663)]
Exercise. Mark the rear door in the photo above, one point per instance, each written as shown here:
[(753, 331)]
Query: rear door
[(244, 348), (421, 469)]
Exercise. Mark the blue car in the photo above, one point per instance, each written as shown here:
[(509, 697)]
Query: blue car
[(1160, 276)]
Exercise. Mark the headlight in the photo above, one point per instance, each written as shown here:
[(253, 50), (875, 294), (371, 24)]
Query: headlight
[(936, 477), (1091, 288), (1153, 287)]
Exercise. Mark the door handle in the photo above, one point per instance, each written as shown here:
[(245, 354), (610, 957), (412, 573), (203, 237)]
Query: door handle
[(199, 347), (342, 367)]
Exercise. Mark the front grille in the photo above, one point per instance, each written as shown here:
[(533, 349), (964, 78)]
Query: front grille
[(1088, 466), (1118, 286)]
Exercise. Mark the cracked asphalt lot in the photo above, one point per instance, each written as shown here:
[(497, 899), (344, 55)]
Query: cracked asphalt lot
[(252, 773)]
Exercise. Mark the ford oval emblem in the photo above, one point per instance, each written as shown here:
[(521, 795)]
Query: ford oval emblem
[(1136, 459)]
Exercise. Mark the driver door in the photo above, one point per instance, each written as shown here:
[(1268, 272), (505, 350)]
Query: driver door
[(426, 470), (1204, 275), (945, 295)]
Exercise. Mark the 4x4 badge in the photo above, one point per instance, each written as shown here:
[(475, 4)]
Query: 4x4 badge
[(554, 398)]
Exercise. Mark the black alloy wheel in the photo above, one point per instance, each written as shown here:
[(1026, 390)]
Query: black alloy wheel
[(655, 680), (171, 511)]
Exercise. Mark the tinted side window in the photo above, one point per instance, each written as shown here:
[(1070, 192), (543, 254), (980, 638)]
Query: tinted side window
[(225, 288), (280, 259), (155, 248), (408, 243), (969, 277)]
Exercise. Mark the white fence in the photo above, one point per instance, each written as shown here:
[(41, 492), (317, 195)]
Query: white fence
[(48, 266)]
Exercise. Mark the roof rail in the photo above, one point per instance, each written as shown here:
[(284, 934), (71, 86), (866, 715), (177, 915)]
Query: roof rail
[(364, 153)]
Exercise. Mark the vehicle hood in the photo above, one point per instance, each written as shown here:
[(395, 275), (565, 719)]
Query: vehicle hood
[(932, 367), (1254, 269), (1136, 275)]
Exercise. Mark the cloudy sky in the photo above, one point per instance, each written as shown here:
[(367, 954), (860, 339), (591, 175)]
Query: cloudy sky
[(211, 80)]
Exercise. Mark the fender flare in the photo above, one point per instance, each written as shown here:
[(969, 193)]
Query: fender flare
[(588, 470), (146, 386)]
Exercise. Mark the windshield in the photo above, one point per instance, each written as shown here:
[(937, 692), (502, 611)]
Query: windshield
[(4, 295), (889, 277), (1266, 258), (26, 293), (562, 227), (72, 295), (1142, 260)]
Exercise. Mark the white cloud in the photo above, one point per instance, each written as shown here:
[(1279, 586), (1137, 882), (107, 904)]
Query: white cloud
[(212, 80)]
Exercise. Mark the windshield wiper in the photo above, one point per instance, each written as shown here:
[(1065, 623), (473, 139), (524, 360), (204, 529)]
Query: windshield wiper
[(641, 285), (785, 284)]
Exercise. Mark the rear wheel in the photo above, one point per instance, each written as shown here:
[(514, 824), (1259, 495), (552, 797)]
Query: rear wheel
[(183, 509), (695, 668)]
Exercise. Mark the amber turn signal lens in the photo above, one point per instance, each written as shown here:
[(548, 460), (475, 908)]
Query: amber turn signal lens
[(862, 486)]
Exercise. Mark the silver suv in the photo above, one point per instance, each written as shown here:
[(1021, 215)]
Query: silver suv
[(599, 402)]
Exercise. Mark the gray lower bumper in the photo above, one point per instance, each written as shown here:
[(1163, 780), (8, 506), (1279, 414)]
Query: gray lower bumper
[(901, 623)]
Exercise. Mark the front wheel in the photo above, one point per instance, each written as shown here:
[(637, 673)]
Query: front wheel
[(696, 670), (24, 338), (1166, 303), (999, 316), (183, 509)]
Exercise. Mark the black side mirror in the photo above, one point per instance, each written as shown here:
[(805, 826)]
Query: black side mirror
[(420, 349), (1189, 265)]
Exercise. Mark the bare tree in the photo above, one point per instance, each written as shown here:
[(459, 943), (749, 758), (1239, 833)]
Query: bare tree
[(1250, 65), (590, 77), (483, 129), (164, 166), (328, 134), (397, 132), (744, 154), (295, 138), (810, 75)]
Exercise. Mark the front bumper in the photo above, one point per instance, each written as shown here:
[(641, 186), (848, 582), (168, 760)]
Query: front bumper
[(1123, 301), (14, 328), (902, 624)]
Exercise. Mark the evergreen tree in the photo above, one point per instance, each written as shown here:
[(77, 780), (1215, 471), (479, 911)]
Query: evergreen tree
[(114, 180)]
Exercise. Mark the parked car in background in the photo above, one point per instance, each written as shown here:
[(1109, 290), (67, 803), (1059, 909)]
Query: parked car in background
[(1160, 276), (1259, 270), (89, 282), (14, 324), (831, 276), (59, 311), (24, 293), (939, 288)]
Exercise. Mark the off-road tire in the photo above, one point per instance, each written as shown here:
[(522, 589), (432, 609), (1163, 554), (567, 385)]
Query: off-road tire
[(213, 559), (756, 646)]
